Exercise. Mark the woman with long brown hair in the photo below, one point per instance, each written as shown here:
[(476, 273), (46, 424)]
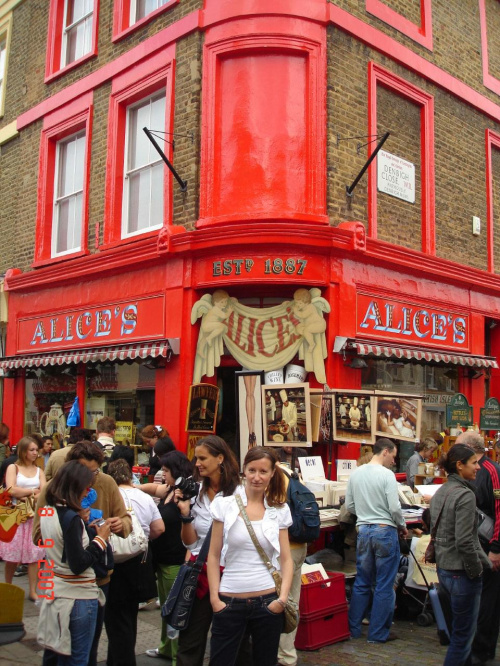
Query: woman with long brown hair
[(245, 599), (217, 472), (24, 480)]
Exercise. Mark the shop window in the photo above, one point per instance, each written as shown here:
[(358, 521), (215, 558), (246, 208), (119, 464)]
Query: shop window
[(379, 76), (123, 392), (489, 16), (49, 396), (138, 186), (419, 31), (72, 34), (130, 14), (68, 200), (63, 170), (143, 170), (436, 383)]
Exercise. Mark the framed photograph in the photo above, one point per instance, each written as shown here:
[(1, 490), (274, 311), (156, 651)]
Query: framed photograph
[(353, 416), (397, 416), (249, 410), (286, 415), (321, 416), (203, 402)]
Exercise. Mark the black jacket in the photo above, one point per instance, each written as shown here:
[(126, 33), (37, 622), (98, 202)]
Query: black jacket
[(487, 489)]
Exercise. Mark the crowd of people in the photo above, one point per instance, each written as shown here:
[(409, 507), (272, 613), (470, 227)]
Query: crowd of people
[(84, 497)]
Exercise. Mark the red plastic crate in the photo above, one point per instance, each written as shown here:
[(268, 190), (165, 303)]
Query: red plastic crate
[(314, 597), (330, 625)]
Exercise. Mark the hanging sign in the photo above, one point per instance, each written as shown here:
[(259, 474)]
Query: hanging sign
[(202, 408), (395, 176), (490, 415), (458, 412), (261, 339)]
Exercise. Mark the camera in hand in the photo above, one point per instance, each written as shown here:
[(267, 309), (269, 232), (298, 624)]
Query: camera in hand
[(101, 522), (189, 487)]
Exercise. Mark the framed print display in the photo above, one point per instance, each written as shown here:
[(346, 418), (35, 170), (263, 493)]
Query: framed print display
[(249, 410), (353, 417), (397, 416), (286, 415), (203, 402), (321, 416)]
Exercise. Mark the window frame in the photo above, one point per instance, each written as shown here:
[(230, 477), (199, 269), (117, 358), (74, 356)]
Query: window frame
[(121, 17), (492, 142), (421, 34), (55, 40), (125, 235), (63, 123), (132, 86), (5, 35), (489, 81), (58, 198), (378, 75)]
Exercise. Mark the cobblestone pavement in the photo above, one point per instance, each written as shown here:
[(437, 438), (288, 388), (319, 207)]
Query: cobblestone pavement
[(417, 646)]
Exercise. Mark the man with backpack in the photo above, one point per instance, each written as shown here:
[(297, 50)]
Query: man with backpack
[(305, 528)]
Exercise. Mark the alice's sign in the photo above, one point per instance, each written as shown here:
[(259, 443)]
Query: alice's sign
[(261, 339), (407, 322), (114, 323)]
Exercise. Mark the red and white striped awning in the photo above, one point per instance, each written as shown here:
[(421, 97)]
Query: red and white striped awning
[(131, 352), (374, 349)]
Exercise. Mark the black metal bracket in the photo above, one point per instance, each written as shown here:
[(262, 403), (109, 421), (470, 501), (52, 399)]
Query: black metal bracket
[(182, 183), (349, 188)]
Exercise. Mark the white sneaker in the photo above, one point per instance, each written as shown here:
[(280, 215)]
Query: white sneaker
[(156, 655), (143, 604), (158, 603)]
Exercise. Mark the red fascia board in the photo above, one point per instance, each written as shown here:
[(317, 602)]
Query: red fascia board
[(223, 10), (169, 35), (411, 61), (422, 34)]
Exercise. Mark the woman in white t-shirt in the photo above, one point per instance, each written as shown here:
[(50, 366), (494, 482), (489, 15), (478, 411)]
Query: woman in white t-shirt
[(245, 598)]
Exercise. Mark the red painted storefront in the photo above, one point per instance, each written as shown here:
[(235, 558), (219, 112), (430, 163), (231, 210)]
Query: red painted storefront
[(263, 229)]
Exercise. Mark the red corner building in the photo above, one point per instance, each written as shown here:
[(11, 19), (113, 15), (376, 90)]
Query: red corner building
[(268, 112)]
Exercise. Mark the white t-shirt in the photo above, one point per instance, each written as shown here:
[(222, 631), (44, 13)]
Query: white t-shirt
[(244, 570), (143, 505)]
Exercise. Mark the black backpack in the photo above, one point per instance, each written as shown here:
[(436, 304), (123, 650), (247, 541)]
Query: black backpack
[(304, 510)]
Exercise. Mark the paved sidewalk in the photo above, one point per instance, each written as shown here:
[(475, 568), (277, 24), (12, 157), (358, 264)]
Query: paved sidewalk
[(418, 646)]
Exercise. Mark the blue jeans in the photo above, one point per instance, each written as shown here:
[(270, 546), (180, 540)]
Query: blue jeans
[(241, 617), (464, 597), (82, 627), (377, 561)]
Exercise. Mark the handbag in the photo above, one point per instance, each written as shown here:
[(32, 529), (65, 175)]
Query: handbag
[(135, 544), (291, 611), (176, 610), (9, 516), (485, 526)]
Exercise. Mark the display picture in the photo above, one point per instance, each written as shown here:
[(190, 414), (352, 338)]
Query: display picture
[(286, 415), (202, 408), (248, 392), (321, 416), (398, 416), (353, 417)]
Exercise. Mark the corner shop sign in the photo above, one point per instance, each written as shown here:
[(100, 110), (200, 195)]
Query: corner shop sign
[(408, 322)]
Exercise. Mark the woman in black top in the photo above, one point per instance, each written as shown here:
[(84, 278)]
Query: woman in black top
[(168, 550)]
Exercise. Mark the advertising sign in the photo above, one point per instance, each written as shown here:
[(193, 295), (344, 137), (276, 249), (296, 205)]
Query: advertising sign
[(202, 408), (458, 412), (490, 415)]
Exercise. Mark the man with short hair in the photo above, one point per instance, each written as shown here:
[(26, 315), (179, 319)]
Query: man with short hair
[(372, 495), (487, 489), (106, 428), (109, 501), (59, 456)]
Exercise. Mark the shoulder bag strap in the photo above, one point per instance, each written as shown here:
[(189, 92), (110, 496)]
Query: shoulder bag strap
[(202, 555), (272, 570)]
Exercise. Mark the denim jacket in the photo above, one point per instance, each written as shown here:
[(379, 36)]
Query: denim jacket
[(457, 543), (226, 510)]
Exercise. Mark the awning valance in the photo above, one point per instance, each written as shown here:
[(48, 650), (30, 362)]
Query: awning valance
[(367, 348), (132, 352)]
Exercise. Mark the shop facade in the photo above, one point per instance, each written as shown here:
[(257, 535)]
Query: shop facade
[(263, 104)]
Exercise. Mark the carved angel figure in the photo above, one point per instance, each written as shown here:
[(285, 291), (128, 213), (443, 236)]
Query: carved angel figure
[(213, 310)]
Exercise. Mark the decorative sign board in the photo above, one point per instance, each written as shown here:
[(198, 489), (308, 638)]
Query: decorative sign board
[(458, 412), (490, 415)]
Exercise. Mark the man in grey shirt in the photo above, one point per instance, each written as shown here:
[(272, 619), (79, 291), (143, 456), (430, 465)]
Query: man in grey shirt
[(372, 495)]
